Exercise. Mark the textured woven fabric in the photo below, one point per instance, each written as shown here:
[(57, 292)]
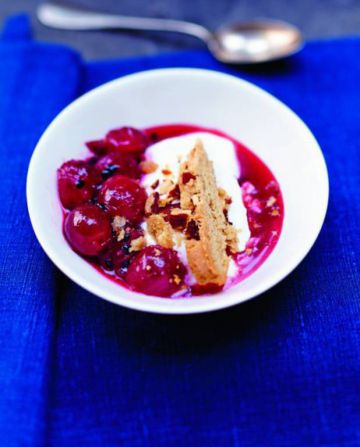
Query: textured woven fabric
[(280, 370)]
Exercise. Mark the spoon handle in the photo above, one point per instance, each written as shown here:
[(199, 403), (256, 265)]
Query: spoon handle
[(61, 17)]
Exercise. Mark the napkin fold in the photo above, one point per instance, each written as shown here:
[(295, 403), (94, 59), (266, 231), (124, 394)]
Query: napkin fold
[(280, 370)]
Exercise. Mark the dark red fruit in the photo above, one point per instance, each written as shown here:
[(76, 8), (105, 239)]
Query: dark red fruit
[(123, 196), (206, 289), (156, 270), (187, 176), (117, 255), (127, 139), (98, 147), (117, 163), (177, 221), (88, 230), (75, 183), (192, 231)]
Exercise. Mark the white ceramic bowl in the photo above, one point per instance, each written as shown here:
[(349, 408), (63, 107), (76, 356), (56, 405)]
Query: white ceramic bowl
[(201, 97)]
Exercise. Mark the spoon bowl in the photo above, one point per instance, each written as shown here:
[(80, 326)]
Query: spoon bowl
[(255, 42)]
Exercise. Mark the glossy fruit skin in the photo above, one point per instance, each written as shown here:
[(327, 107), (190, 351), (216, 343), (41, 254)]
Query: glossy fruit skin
[(117, 163), (117, 255), (156, 270), (88, 230), (98, 147), (127, 139), (75, 183), (123, 196)]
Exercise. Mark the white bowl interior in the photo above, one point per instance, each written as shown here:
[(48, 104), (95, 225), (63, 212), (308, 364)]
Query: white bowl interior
[(191, 96)]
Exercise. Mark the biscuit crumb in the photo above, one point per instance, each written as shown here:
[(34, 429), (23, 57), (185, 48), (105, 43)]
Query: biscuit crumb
[(148, 166), (177, 279), (152, 204), (222, 193), (120, 235), (166, 186), (178, 239), (160, 230), (270, 202), (118, 225), (137, 244)]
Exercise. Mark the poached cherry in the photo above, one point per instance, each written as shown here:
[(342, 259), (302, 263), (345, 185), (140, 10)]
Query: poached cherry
[(117, 163), (98, 147), (127, 139), (75, 183), (88, 230), (156, 270), (123, 196), (117, 254)]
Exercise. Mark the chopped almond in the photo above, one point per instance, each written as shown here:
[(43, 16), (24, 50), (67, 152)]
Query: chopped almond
[(148, 166), (166, 186), (177, 279), (275, 213), (222, 193), (195, 200), (118, 223), (149, 204), (179, 238), (137, 244), (120, 235)]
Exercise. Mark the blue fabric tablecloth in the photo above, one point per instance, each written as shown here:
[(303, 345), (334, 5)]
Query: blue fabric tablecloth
[(280, 370)]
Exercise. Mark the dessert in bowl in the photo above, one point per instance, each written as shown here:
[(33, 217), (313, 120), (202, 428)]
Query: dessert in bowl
[(177, 218), (172, 210)]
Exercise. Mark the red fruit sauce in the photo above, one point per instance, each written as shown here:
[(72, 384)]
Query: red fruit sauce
[(107, 180)]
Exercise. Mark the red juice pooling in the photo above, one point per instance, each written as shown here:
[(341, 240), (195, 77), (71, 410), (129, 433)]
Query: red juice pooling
[(154, 269)]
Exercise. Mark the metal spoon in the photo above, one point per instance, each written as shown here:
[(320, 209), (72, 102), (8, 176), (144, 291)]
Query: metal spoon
[(242, 43)]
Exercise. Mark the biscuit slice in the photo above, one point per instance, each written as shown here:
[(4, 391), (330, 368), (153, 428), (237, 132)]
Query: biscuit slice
[(206, 233)]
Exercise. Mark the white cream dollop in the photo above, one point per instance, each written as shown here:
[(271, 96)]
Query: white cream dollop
[(169, 154)]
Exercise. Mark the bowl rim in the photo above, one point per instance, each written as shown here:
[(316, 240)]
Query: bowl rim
[(147, 305)]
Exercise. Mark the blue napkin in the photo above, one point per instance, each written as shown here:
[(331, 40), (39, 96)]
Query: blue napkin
[(280, 370)]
